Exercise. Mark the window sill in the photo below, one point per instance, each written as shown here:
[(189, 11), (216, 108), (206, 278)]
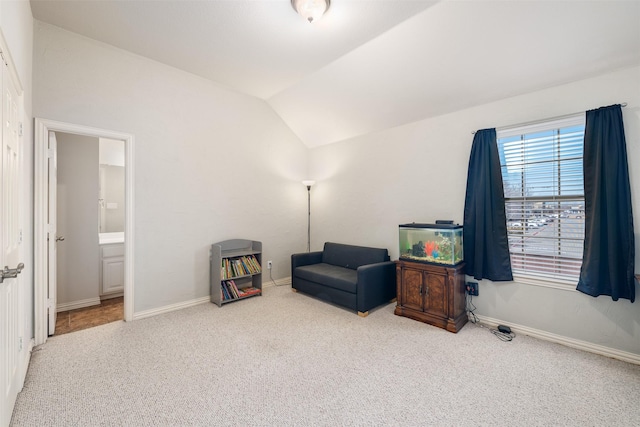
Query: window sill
[(565, 285)]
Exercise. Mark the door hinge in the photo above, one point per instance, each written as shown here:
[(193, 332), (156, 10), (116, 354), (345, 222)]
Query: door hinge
[(20, 237), (50, 153), (20, 130), (20, 344), (50, 303)]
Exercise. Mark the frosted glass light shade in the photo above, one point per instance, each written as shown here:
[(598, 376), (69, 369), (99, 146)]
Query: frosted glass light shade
[(311, 10), (308, 182)]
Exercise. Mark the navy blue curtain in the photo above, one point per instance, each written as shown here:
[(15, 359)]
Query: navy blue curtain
[(486, 248), (609, 251)]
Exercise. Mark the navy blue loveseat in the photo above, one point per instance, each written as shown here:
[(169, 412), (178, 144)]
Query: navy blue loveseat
[(355, 277)]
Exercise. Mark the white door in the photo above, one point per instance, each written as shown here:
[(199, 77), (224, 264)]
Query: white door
[(52, 235), (11, 292)]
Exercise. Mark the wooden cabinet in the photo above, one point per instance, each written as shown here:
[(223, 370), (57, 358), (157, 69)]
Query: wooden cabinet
[(112, 268), (431, 294)]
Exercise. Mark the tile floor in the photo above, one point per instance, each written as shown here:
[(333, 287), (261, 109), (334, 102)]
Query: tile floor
[(110, 310)]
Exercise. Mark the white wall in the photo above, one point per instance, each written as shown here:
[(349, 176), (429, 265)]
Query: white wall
[(112, 183), (77, 219), (367, 186), (111, 152), (16, 24), (210, 164)]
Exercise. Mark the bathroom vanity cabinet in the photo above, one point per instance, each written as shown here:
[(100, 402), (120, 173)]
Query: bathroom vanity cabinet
[(111, 268)]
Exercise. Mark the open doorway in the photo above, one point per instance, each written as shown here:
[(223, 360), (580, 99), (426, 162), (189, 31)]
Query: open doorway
[(46, 222), (90, 214)]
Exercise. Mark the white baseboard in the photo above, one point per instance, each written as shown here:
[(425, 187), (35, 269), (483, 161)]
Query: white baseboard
[(111, 296), (286, 281), (569, 342), (268, 283), (66, 306), (169, 308)]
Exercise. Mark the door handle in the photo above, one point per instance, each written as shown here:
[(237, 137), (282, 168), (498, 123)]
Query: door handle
[(10, 273), (59, 238)]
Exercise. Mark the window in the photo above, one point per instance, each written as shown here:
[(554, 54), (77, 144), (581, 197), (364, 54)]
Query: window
[(544, 197)]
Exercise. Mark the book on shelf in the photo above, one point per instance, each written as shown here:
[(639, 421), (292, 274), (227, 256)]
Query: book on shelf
[(230, 291), (224, 293), (247, 267), (255, 262), (251, 264), (234, 268), (245, 292), (234, 288), (242, 271), (238, 267)]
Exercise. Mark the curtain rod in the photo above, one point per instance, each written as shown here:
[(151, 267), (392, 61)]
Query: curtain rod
[(624, 104)]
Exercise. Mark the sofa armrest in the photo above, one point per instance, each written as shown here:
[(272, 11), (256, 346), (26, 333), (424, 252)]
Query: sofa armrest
[(376, 285), (306, 258)]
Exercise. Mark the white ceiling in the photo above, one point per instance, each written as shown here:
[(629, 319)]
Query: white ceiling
[(367, 65)]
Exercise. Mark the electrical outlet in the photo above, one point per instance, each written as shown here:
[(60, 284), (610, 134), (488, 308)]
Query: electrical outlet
[(472, 288), (269, 264)]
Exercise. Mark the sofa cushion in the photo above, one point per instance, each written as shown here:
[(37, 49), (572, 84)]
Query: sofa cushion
[(329, 275), (352, 257)]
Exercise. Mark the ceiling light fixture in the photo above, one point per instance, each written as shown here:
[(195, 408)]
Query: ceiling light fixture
[(311, 10)]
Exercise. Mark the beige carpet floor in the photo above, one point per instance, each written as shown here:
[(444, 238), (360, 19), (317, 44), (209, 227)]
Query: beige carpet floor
[(286, 359)]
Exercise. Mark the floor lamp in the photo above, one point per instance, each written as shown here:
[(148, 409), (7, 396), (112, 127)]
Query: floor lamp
[(308, 184)]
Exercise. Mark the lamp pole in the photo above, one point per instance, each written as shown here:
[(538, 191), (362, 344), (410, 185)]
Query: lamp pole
[(308, 184)]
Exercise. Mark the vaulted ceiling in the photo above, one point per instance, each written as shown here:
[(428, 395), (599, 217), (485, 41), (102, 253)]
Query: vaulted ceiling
[(367, 65)]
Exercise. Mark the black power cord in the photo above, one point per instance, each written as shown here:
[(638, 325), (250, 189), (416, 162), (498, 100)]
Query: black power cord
[(471, 310), (503, 333), (273, 281)]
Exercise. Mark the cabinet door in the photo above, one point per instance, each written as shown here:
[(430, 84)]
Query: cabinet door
[(435, 300), (412, 289), (112, 274)]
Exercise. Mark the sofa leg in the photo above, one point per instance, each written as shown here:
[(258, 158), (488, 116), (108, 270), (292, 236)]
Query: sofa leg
[(394, 300), (361, 314), (294, 290)]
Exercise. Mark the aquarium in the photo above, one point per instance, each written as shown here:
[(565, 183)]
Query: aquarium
[(431, 243)]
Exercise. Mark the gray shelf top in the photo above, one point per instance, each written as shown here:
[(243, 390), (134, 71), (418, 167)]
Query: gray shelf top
[(238, 252)]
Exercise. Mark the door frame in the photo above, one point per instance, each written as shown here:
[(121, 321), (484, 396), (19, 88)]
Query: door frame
[(41, 193)]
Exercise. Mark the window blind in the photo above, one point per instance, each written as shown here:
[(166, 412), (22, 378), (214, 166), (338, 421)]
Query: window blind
[(544, 196)]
